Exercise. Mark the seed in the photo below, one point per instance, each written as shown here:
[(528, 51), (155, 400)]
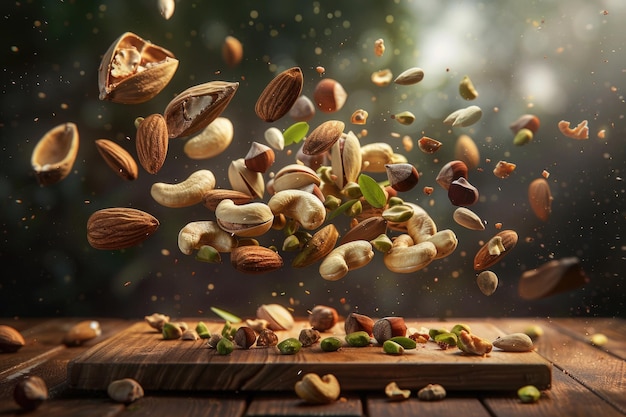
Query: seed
[(468, 219), (359, 117), (464, 117), (274, 137), (289, 346), (410, 76), (529, 394), (330, 344)]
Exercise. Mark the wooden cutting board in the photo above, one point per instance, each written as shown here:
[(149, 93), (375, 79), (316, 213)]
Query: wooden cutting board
[(140, 353)]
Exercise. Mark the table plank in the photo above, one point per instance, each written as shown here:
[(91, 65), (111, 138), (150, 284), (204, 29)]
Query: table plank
[(582, 329), (288, 404), (159, 364), (378, 406)]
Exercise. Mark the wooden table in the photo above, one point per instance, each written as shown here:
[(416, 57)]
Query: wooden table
[(586, 380)]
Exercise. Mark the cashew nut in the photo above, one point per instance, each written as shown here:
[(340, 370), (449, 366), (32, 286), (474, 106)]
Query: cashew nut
[(211, 141), (445, 241), (304, 207), (406, 257), (196, 234), (246, 220), (316, 390), (185, 193), (420, 226), (345, 258)]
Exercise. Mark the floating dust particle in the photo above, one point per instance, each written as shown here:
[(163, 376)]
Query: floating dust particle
[(455, 274), (153, 298), (210, 286), (545, 174), (41, 95), (498, 225), (64, 106), (127, 283), (602, 134), (300, 284)]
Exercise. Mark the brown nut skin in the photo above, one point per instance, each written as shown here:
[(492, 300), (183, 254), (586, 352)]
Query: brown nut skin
[(484, 259), (462, 193), (356, 322), (29, 393), (329, 95), (245, 337), (451, 171), (388, 327), (267, 338), (323, 318)]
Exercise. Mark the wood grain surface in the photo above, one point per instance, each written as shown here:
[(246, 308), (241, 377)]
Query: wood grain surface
[(141, 353)]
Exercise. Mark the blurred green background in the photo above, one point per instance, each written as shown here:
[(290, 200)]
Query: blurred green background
[(556, 59)]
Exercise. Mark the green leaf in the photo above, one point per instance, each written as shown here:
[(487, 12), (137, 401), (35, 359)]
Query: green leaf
[(295, 133), (341, 209), (226, 315), (371, 191)]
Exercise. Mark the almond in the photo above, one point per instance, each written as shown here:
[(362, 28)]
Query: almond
[(279, 95), (484, 259), (119, 228), (10, 339), (118, 159), (152, 143), (323, 137), (255, 259)]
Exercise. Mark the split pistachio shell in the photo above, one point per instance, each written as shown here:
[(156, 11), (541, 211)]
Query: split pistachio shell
[(196, 107), (246, 220), (468, 219), (295, 176), (185, 193), (277, 316), (134, 70), (345, 258), (211, 141), (245, 180), (346, 159), (197, 234), (55, 154), (304, 207)]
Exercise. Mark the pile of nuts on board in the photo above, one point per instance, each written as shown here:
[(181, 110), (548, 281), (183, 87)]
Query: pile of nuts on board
[(329, 177)]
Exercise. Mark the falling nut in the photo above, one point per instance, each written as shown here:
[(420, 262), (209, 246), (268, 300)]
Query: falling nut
[(55, 154), (255, 259), (488, 256), (279, 95), (82, 332), (152, 143), (246, 220), (345, 258), (259, 158), (302, 206), (329, 95), (277, 316), (315, 390), (194, 235), (211, 141), (118, 159), (185, 193)]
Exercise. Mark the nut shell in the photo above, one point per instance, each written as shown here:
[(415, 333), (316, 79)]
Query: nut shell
[(277, 316), (55, 154)]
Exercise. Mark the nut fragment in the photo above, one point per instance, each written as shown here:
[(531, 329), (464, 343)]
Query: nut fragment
[(55, 154), (462, 193), (119, 228), (267, 338), (196, 107), (432, 392), (279, 95), (428, 145), (345, 258), (82, 332), (118, 159), (308, 337), (185, 193), (581, 131), (10, 339), (157, 320), (152, 143), (472, 344), (30, 392), (125, 390), (315, 390), (503, 169), (394, 393)]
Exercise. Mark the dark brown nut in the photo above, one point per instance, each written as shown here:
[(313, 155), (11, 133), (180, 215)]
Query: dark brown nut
[(323, 318), (402, 177), (279, 95), (125, 390), (10, 339), (356, 322), (308, 337), (267, 338), (329, 95), (451, 171), (368, 229), (29, 393), (462, 193), (152, 143), (119, 228), (118, 159), (428, 145), (323, 137), (388, 327), (553, 277), (245, 337)]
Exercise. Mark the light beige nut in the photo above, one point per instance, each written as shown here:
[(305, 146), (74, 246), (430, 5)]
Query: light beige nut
[(204, 232), (134, 70), (185, 193), (82, 332), (210, 141), (274, 137), (410, 76), (445, 241), (245, 180), (196, 107), (467, 151), (345, 258), (152, 143), (279, 95), (394, 393), (464, 117), (420, 226), (406, 257), (315, 390), (382, 77), (375, 156), (294, 176), (468, 219), (514, 342), (246, 220), (316, 248), (119, 228), (166, 8), (10, 339), (277, 316), (487, 282), (125, 390), (254, 259), (432, 392), (580, 132), (55, 153), (347, 159), (157, 320), (118, 159), (302, 206), (213, 197)]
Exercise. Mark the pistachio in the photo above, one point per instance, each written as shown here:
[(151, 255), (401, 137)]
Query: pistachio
[(185, 193), (202, 330), (30, 392), (302, 110), (197, 234), (245, 337), (345, 258), (267, 338), (279, 95), (255, 259), (323, 318), (315, 390), (487, 282), (382, 243), (432, 392), (308, 337), (134, 70), (55, 154), (388, 327), (358, 339), (118, 159), (514, 342), (330, 344), (82, 332), (356, 322), (289, 346), (491, 253), (467, 89), (464, 117), (404, 118), (540, 198), (446, 340), (225, 346), (468, 219), (211, 141), (232, 51), (125, 390), (171, 331), (528, 394), (304, 207), (11, 340), (277, 316), (329, 95), (346, 159), (195, 108), (410, 76), (394, 393), (245, 180), (472, 344), (522, 137), (295, 176), (157, 320), (246, 220), (392, 348), (405, 342)]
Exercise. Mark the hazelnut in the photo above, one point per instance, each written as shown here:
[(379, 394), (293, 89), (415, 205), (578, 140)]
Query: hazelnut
[(402, 177), (267, 338), (356, 322), (388, 327), (245, 337), (30, 392), (308, 337), (329, 95), (323, 318), (259, 158), (451, 171), (462, 193)]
